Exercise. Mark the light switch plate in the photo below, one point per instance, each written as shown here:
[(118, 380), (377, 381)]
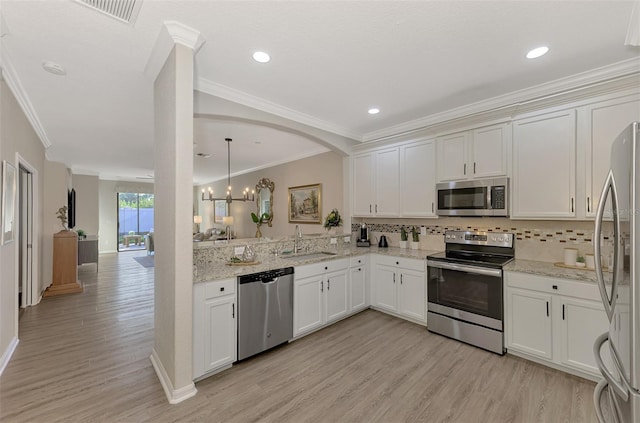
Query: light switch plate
[(333, 240), (423, 230), (346, 239), (238, 251)]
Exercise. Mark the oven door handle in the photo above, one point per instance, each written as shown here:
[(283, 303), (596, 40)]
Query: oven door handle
[(465, 268)]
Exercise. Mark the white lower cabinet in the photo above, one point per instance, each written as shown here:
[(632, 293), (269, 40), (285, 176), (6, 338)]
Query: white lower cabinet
[(555, 320), (358, 284), (399, 287), (320, 294), (214, 326)]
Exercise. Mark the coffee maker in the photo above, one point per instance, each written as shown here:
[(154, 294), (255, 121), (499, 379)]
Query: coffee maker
[(363, 240)]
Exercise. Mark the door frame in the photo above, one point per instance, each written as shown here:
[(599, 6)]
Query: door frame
[(36, 295)]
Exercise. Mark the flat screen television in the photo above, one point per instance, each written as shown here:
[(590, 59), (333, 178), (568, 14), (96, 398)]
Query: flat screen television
[(71, 206)]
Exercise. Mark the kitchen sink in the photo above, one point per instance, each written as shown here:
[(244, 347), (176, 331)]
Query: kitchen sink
[(309, 256)]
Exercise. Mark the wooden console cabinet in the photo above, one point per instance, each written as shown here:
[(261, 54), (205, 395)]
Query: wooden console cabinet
[(65, 265)]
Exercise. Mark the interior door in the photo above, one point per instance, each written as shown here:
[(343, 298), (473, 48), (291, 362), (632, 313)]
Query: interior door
[(25, 237)]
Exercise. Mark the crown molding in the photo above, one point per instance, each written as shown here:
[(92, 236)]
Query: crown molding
[(172, 32), (508, 103), (10, 75), (213, 88)]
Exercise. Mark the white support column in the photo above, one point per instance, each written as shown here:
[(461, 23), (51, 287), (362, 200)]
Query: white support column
[(171, 67)]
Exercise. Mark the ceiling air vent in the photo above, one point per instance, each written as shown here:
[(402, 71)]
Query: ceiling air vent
[(122, 10)]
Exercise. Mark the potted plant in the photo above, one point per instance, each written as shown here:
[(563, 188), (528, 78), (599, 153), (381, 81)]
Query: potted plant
[(62, 215), (258, 221), (580, 262), (415, 235), (333, 220), (403, 238), (81, 234)]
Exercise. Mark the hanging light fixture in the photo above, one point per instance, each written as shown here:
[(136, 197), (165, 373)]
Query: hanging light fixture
[(229, 198)]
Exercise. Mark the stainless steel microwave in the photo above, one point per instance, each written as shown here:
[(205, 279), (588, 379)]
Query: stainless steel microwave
[(483, 197)]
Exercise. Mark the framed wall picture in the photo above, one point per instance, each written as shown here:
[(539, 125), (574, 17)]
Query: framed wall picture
[(9, 176), (220, 210), (305, 204)]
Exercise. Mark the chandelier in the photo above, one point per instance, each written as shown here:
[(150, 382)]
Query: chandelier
[(229, 198)]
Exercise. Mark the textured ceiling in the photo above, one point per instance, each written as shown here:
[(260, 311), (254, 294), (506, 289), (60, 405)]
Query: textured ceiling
[(331, 61)]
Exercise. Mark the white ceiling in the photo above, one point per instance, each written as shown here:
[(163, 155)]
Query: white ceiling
[(331, 61)]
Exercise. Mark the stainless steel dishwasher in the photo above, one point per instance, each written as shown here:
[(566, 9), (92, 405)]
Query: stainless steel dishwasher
[(265, 311)]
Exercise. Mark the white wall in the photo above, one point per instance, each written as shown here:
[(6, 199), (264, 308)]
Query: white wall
[(325, 168), (16, 136), (108, 210), (87, 203)]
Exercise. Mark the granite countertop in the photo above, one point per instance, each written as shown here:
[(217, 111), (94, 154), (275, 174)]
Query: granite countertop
[(217, 270), (543, 268)]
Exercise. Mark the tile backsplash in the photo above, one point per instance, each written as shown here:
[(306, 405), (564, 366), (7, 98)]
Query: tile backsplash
[(535, 240)]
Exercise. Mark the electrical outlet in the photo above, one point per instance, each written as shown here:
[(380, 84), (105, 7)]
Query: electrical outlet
[(238, 251), (346, 239), (423, 230), (333, 240)]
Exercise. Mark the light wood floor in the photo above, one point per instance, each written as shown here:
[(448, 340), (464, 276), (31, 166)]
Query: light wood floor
[(85, 358)]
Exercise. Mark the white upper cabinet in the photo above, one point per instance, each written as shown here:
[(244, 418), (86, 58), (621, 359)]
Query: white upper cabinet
[(395, 181), (602, 123), (363, 184), (489, 151), (387, 177), (480, 153), (376, 183), (452, 156), (544, 166), (418, 179)]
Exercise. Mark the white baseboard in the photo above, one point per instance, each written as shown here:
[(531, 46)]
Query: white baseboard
[(174, 396), (6, 356)]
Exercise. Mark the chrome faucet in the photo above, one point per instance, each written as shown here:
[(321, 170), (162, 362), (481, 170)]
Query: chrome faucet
[(296, 239)]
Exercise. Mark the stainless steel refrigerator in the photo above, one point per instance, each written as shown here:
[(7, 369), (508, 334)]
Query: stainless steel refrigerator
[(617, 397)]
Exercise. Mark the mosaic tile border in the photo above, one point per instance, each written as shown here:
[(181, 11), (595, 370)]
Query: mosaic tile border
[(542, 235)]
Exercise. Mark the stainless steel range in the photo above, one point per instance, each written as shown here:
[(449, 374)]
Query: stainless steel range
[(465, 287)]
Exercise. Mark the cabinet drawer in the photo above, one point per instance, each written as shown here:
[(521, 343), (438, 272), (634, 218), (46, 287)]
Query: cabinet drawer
[(401, 262), (219, 288), (569, 288), (359, 261), (320, 268)]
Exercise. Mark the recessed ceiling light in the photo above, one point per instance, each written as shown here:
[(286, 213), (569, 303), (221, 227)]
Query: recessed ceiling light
[(261, 57), (374, 111), (537, 52), (54, 68)]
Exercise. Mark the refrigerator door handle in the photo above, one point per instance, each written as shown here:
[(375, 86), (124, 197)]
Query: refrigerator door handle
[(609, 187), (617, 386)]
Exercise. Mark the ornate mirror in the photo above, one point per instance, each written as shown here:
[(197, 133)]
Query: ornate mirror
[(264, 199)]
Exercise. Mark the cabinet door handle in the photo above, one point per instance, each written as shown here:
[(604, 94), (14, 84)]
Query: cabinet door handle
[(328, 284), (554, 286), (432, 207), (474, 168), (376, 208), (465, 169), (233, 311), (562, 311), (369, 208), (359, 269), (394, 278), (588, 205), (547, 308), (400, 278), (321, 286), (571, 204)]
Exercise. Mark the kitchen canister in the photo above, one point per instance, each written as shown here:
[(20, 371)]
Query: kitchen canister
[(570, 256)]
